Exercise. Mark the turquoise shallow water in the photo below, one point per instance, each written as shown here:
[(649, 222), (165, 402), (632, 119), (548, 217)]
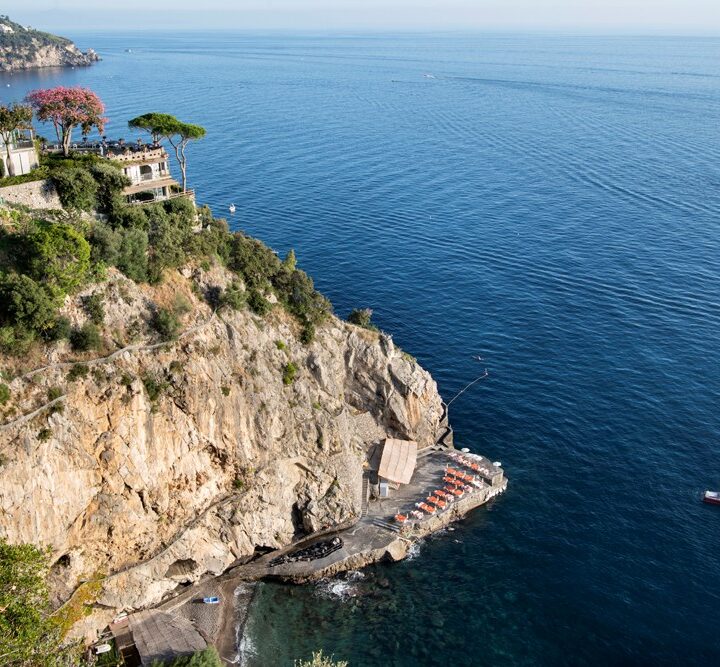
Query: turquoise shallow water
[(549, 203)]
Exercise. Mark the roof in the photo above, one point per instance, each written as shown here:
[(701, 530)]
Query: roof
[(398, 460), (160, 636)]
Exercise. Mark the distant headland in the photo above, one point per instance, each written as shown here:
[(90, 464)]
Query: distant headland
[(26, 48)]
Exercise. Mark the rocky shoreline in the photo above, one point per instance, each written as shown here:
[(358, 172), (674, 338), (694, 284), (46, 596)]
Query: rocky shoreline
[(366, 542), (23, 48)]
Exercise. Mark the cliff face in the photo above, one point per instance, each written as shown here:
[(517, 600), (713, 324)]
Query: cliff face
[(25, 48), (165, 463)]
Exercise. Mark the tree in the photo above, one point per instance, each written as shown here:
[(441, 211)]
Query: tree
[(58, 256), (28, 635), (13, 117), (320, 660), (361, 317), (178, 134), (68, 108), (25, 303)]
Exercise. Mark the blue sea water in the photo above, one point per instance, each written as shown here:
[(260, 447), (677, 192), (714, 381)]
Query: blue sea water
[(551, 203)]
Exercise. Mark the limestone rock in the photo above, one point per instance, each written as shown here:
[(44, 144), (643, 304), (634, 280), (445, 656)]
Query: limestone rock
[(155, 492)]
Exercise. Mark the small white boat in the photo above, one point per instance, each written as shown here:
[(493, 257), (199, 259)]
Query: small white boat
[(712, 497), (232, 208)]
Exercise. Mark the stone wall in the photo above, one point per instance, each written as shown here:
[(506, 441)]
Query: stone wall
[(36, 194)]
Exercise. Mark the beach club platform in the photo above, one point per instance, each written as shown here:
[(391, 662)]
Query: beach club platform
[(377, 535), (411, 477)]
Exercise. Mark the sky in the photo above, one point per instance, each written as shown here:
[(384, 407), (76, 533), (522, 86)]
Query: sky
[(604, 16)]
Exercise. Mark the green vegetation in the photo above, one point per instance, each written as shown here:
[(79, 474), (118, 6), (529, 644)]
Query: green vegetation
[(54, 393), (258, 303), (166, 323), (362, 317), (233, 296), (289, 372), (177, 133), (76, 188), (44, 434), (13, 117), (207, 658), (87, 337), (29, 636), (4, 394), (280, 345), (154, 387), (320, 660), (77, 372), (42, 261), (94, 306)]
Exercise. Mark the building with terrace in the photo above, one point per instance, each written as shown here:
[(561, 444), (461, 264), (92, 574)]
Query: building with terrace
[(23, 156), (146, 165)]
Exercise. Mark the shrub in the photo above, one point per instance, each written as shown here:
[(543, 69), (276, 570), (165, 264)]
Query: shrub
[(289, 372), (104, 244), (253, 260), (26, 303), (60, 330), (29, 634), (280, 345), (94, 307), (225, 391), (132, 254), (44, 434), (76, 188), (181, 305), (166, 323), (320, 660), (257, 302), (154, 387), (362, 317), (77, 371), (233, 296), (110, 182), (307, 334), (4, 394), (58, 255), (86, 338), (54, 393), (15, 340)]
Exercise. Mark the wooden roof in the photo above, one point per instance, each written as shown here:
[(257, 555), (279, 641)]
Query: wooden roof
[(398, 460)]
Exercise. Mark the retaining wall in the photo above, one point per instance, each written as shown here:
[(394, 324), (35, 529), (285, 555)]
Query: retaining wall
[(36, 194)]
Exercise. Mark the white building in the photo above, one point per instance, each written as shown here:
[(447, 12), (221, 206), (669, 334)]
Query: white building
[(23, 155), (149, 173)]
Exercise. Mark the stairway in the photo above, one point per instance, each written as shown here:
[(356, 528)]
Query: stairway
[(365, 496)]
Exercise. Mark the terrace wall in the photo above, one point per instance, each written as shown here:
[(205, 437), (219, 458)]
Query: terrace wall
[(35, 195)]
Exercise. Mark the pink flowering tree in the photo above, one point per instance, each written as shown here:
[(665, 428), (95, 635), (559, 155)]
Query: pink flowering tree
[(66, 109)]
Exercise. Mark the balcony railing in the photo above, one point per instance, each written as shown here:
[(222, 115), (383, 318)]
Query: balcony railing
[(190, 194)]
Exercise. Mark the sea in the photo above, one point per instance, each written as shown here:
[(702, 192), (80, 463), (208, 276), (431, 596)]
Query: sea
[(549, 203)]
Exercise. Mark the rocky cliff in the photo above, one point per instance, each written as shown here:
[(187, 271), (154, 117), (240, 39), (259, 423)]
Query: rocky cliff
[(25, 48), (159, 463)]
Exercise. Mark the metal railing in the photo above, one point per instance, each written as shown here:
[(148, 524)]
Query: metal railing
[(190, 194)]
